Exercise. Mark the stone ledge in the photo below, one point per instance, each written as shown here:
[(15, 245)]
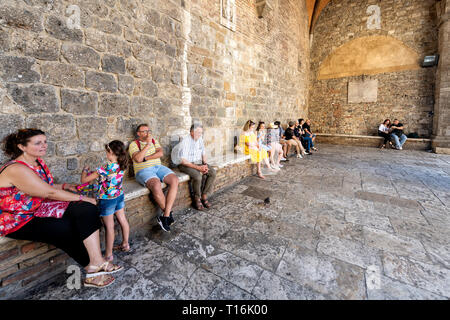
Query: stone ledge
[(370, 141), (366, 137), (442, 150)]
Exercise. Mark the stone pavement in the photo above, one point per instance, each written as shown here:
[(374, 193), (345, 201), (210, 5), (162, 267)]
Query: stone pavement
[(344, 223)]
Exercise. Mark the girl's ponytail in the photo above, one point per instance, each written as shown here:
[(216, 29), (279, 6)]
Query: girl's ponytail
[(118, 148)]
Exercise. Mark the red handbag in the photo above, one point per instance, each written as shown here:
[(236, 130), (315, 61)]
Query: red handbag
[(51, 209)]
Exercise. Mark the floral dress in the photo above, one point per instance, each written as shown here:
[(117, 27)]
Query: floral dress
[(16, 207), (108, 184)]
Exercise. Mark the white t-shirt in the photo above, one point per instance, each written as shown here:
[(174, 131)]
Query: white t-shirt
[(383, 128)]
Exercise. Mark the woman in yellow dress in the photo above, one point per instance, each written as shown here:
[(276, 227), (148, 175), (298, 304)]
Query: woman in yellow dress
[(249, 144)]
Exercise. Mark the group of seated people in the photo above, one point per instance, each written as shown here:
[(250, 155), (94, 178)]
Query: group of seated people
[(392, 132), (69, 216), (272, 144), (33, 207)]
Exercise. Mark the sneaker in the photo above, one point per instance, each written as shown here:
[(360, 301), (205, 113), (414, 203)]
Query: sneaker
[(283, 159), (315, 149), (163, 222), (280, 166), (171, 219), (299, 156), (308, 153)]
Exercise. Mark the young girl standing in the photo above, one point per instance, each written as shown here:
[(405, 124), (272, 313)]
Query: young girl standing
[(110, 194)]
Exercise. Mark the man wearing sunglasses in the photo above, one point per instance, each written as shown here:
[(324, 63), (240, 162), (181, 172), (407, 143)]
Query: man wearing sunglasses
[(146, 152)]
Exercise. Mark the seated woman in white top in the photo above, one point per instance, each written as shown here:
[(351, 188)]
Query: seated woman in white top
[(383, 131)]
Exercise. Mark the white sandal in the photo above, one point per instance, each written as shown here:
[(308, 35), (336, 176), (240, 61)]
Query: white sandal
[(102, 269)]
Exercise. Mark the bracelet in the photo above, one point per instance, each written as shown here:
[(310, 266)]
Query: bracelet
[(63, 186)]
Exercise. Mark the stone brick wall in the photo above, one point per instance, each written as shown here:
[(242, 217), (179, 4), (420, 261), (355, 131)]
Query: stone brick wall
[(441, 120), (25, 264), (406, 95), (164, 62)]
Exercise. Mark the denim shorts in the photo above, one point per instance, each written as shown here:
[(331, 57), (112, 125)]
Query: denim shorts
[(158, 171), (109, 206)]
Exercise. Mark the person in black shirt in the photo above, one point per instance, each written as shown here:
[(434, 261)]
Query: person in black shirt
[(308, 133), (292, 140), (397, 134)]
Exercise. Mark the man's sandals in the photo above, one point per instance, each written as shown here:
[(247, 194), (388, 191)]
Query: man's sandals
[(198, 204), (206, 204), (100, 277), (201, 204)]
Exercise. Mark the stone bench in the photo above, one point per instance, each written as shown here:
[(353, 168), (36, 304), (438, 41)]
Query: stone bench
[(134, 189), (369, 141), (25, 264)]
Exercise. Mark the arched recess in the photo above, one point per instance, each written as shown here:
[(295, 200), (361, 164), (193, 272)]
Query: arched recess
[(314, 8), (368, 55)]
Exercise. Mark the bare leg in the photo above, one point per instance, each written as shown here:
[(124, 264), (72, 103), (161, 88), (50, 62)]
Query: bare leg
[(258, 167), (109, 234), (266, 162), (300, 146), (154, 185), (172, 181), (271, 154), (280, 154), (288, 148), (92, 244), (120, 215)]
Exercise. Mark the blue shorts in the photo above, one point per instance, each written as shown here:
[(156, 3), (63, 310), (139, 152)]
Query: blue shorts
[(109, 206), (158, 171)]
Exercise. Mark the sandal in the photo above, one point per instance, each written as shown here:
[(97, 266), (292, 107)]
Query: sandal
[(122, 248), (198, 204), (105, 280), (206, 204), (103, 269)]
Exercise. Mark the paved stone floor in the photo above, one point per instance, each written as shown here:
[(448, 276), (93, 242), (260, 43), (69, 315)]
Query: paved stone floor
[(344, 223)]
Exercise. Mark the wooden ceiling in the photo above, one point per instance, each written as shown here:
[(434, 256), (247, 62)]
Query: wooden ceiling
[(314, 8)]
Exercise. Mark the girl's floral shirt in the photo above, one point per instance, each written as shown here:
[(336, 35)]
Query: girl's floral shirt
[(109, 183)]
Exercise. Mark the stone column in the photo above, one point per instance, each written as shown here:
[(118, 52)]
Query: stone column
[(441, 120)]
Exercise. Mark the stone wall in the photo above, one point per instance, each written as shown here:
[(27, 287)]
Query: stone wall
[(441, 121), (164, 62), (407, 95)]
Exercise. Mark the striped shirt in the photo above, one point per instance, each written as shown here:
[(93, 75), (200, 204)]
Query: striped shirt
[(137, 166), (272, 136), (192, 150)]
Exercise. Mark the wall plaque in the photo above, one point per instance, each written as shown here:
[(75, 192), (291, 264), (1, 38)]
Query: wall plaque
[(228, 14), (363, 91)]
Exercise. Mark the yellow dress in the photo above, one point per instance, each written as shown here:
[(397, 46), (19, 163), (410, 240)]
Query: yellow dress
[(255, 154)]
